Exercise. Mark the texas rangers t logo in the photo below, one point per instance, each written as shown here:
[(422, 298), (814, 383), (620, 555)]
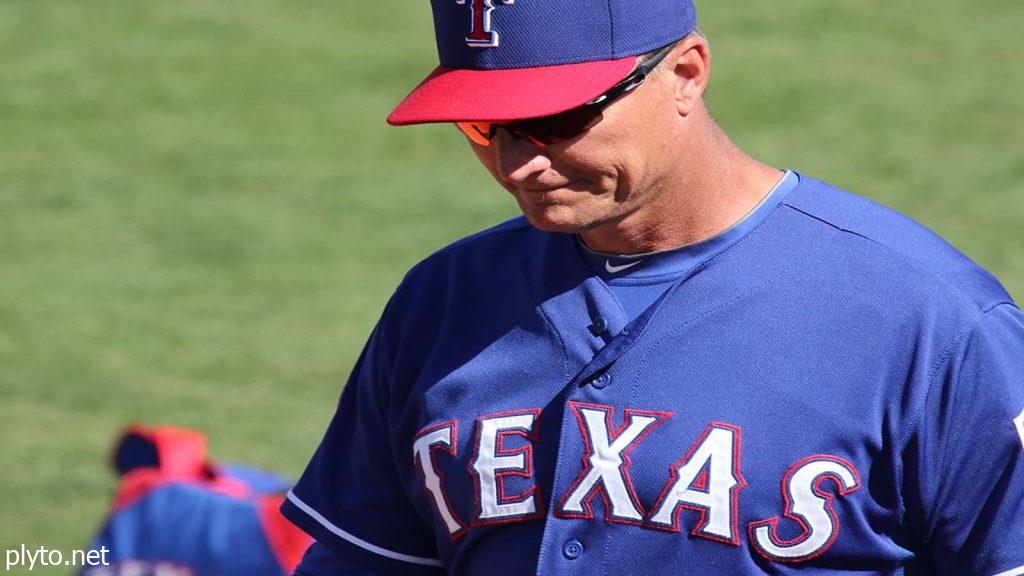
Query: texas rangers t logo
[(481, 35)]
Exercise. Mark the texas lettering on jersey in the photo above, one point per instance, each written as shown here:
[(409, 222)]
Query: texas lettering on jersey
[(707, 480)]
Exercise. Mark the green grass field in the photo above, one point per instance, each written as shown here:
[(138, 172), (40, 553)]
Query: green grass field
[(202, 211)]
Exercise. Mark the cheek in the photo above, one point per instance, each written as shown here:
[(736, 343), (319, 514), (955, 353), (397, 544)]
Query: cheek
[(591, 160), (608, 165), (632, 148)]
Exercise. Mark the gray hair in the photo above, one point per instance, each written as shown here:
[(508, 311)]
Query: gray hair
[(649, 55)]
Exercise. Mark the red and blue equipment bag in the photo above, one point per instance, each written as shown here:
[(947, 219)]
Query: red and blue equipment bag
[(177, 514)]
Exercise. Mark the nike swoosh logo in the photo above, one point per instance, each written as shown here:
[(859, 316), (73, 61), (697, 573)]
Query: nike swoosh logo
[(616, 269)]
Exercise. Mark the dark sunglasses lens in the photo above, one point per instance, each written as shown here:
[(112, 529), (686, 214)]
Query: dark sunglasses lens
[(559, 127)]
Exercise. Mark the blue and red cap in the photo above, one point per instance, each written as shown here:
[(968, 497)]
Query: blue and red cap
[(504, 60)]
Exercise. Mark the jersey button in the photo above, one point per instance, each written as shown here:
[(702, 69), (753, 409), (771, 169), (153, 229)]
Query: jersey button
[(600, 326), (573, 549), (602, 381)]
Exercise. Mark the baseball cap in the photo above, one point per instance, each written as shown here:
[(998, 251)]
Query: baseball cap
[(503, 60)]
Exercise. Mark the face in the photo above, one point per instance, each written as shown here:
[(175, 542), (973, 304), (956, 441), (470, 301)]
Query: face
[(602, 175)]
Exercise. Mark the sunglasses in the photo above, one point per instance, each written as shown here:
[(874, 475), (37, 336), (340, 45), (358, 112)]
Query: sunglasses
[(564, 125)]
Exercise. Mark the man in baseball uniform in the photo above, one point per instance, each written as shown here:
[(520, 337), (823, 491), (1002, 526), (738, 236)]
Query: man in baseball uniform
[(679, 360)]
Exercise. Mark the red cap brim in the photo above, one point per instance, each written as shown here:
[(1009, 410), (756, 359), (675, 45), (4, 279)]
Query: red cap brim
[(460, 95)]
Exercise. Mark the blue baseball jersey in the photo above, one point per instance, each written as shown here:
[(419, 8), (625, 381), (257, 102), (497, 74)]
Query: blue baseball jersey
[(833, 391)]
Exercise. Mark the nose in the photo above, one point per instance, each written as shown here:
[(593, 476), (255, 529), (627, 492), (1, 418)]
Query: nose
[(517, 160)]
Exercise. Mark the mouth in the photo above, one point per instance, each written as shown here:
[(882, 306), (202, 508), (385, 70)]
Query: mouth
[(546, 189)]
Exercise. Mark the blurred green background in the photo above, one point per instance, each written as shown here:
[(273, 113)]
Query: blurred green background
[(202, 211)]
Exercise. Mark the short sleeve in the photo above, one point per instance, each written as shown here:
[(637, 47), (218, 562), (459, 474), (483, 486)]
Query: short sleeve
[(967, 454), (320, 560), (351, 497)]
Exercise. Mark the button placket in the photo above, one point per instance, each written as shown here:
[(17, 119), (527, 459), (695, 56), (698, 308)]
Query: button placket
[(572, 549), (601, 381)]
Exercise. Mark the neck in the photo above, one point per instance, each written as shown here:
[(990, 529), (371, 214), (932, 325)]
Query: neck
[(708, 188)]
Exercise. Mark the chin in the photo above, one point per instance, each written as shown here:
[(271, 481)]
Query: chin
[(568, 210), (556, 218)]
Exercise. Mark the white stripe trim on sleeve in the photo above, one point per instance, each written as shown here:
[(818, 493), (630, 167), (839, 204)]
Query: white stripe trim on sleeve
[(358, 541), (1018, 571)]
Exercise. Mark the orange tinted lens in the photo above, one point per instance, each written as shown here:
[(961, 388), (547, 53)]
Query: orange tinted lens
[(478, 132)]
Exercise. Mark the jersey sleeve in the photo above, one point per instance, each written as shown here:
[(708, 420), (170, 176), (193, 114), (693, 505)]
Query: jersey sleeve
[(320, 560), (350, 497), (968, 454)]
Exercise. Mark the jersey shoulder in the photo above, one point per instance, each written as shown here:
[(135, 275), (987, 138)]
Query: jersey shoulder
[(503, 241), (488, 279), (491, 261), (895, 251)]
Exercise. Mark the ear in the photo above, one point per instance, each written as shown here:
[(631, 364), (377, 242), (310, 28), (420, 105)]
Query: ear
[(692, 69)]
